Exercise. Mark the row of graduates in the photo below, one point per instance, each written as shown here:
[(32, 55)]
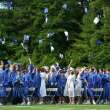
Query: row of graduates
[(33, 84)]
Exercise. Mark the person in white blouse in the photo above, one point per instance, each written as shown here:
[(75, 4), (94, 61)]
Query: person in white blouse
[(43, 85), (69, 88)]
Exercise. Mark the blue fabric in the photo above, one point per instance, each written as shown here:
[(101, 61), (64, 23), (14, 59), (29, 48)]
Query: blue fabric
[(90, 78), (98, 84), (2, 90), (52, 83), (6, 78), (109, 88), (18, 86), (6, 81), (32, 80), (88, 83), (106, 87), (30, 68), (83, 78), (61, 82), (52, 80)]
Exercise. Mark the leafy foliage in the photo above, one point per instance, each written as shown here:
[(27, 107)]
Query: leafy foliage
[(28, 17)]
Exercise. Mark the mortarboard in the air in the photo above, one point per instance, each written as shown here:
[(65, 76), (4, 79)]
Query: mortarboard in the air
[(52, 48), (46, 10), (96, 20)]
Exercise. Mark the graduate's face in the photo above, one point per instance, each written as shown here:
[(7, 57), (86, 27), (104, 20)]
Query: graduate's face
[(86, 70), (6, 67), (17, 68), (100, 71), (1, 67), (12, 68), (77, 70), (107, 72), (53, 70)]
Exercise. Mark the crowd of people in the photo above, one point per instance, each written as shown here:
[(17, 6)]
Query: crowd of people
[(81, 85)]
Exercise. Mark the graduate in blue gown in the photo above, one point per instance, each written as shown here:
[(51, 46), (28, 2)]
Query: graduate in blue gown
[(61, 82), (2, 92), (32, 80), (52, 80), (6, 76), (95, 83), (89, 84), (98, 85), (37, 84), (25, 81), (109, 85), (27, 84), (16, 77), (106, 87), (52, 83), (6, 82)]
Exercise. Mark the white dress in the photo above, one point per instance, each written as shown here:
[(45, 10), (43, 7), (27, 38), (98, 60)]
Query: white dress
[(43, 84), (69, 88), (78, 86)]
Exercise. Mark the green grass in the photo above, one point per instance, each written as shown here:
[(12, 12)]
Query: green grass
[(57, 107)]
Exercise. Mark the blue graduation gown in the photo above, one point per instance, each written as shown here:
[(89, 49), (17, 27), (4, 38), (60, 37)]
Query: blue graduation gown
[(32, 80), (97, 82), (91, 80), (87, 77), (61, 82), (37, 84), (52, 80), (106, 87), (2, 92), (18, 86), (52, 83), (83, 78), (6, 80), (26, 86), (35, 81), (109, 88)]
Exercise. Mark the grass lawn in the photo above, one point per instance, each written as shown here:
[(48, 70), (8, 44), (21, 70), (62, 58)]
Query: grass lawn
[(57, 107)]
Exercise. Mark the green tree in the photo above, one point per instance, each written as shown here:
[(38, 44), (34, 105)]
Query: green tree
[(28, 17), (93, 44)]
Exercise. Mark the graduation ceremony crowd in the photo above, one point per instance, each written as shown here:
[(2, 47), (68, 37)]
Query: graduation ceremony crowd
[(52, 85)]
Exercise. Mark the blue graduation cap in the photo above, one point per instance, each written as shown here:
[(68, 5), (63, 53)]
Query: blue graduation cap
[(98, 42), (6, 63), (9, 4), (46, 10), (65, 6), (26, 37), (85, 9), (30, 67)]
